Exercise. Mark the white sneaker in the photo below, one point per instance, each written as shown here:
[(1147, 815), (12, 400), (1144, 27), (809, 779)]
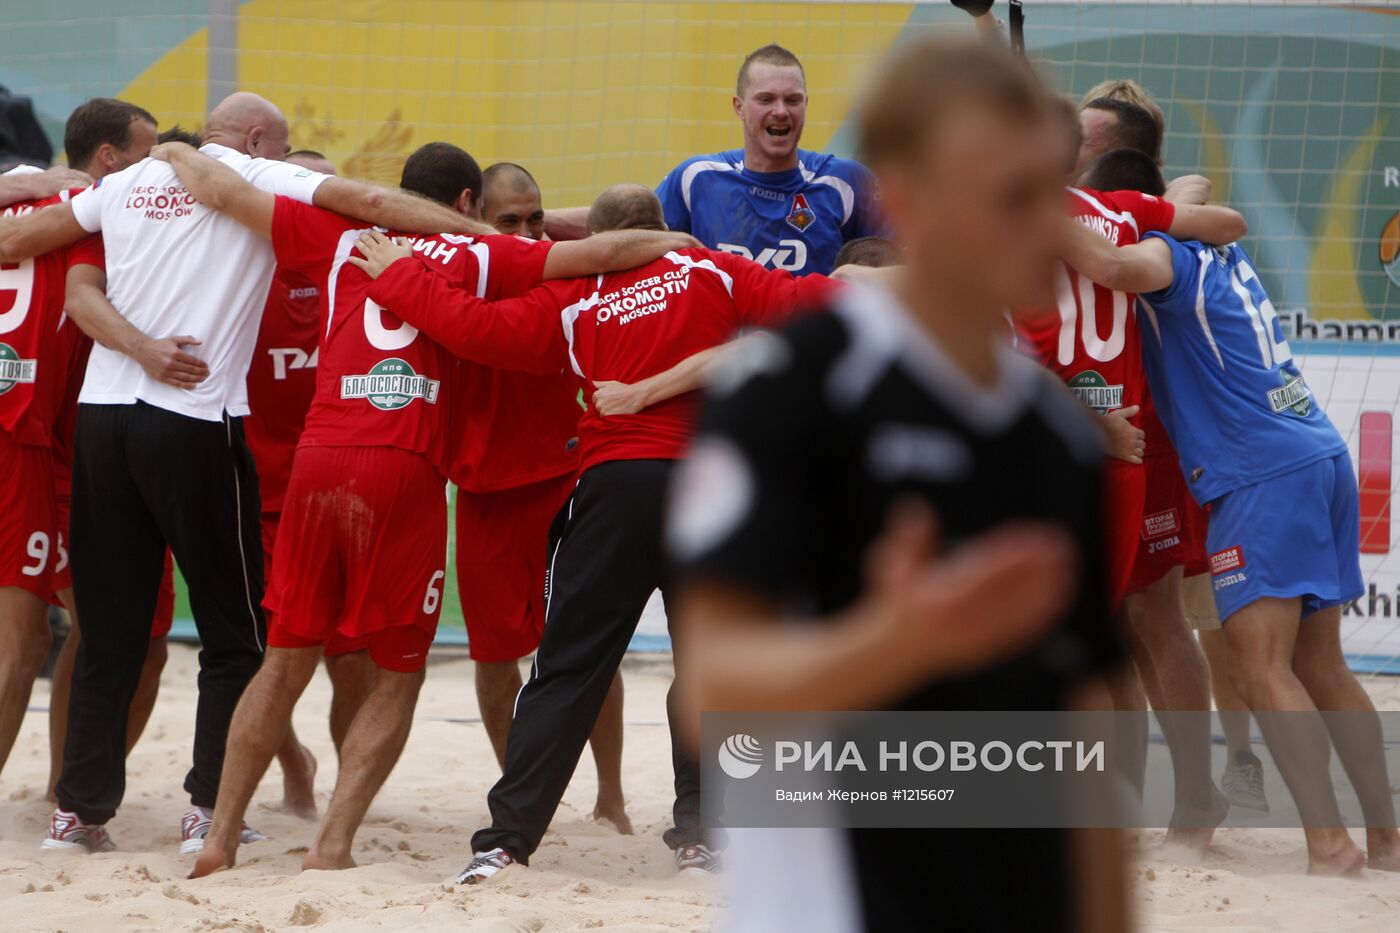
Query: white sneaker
[(696, 860), (1243, 782), (196, 825), (484, 866), (66, 831)]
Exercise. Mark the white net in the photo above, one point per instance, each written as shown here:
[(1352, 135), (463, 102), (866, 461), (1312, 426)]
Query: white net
[(1289, 107)]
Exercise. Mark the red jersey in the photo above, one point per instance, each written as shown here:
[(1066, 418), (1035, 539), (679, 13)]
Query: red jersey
[(379, 383), (37, 341), (1091, 340), (623, 327), (76, 346), (282, 379), (511, 429)]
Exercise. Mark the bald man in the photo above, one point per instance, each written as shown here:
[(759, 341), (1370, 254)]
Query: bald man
[(510, 201), (502, 522), (160, 457)]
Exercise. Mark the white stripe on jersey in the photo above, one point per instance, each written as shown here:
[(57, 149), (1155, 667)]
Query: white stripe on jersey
[(343, 246), (848, 195), (1128, 219), (707, 265), (569, 317), (1204, 257), (695, 168)]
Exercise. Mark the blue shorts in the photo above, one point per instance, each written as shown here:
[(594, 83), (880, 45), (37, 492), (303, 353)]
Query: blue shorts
[(1296, 535)]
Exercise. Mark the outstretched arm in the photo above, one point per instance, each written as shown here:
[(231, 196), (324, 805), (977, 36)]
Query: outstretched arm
[(219, 187), (34, 234), (1144, 267), (612, 252), (35, 186), (566, 223), (393, 209), (518, 333), (1189, 189), (164, 360), (689, 375), (1209, 223)]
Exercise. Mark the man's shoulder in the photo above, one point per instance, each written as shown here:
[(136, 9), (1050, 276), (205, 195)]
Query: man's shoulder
[(146, 172), (712, 164), (310, 219), (728, 159), (818, 164)]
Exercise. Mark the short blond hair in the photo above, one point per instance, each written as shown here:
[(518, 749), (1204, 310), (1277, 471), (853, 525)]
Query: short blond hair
[(1129, 91), (923, 81), (770, 54)]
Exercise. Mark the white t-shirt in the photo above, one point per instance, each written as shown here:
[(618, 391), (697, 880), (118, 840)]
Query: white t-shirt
[(176, 267)]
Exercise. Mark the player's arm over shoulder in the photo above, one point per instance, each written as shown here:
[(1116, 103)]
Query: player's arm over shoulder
[(613, 252), (221, 188), (1143, 267), (1209, 223), (766, 297), (39, 232)]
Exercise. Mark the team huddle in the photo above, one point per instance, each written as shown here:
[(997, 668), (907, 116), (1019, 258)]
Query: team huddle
[(221, 351)]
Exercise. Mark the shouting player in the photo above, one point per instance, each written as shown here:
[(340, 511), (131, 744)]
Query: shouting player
[(781, 206), (348, 568), (621, 327), (1284, 535)]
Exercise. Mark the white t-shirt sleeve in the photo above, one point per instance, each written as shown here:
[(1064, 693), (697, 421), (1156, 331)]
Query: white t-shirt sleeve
[(283, 178), (87, 208)]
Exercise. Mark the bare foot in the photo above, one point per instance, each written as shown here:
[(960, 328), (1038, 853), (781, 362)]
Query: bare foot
[(212, 859), (614, 812), (299, 786), (1194, 827), (1383, 849), (1347, 860), (315, 861)]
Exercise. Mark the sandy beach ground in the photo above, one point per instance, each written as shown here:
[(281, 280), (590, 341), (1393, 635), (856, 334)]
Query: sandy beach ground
[(585, 876)]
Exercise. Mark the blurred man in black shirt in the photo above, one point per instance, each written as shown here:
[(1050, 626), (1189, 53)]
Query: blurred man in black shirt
[(843, 455)]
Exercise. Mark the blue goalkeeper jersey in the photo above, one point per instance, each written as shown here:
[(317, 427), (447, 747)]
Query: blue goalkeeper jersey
[(1235, 404), (795, 220)]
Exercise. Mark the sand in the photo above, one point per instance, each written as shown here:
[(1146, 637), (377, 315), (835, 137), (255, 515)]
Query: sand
[(585, 876)]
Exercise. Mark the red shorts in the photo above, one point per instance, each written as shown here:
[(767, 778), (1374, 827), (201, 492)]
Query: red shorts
[(29, 548), (1200, 514), (502, 545), (403, 648), (1171, 533), (360, 551), (63, 572), (1124, 498), (336, 644)]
